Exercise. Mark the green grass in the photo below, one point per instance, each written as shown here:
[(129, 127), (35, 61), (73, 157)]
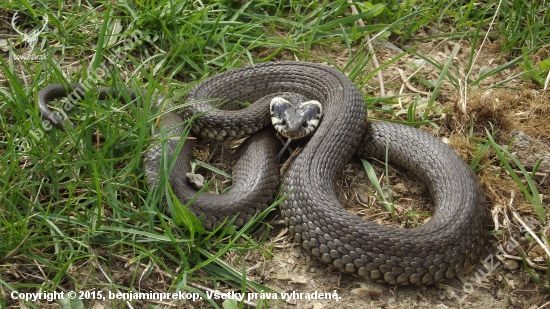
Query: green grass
[(70, 204)]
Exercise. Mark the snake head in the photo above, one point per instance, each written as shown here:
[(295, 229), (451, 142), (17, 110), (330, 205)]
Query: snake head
[(295, 120)]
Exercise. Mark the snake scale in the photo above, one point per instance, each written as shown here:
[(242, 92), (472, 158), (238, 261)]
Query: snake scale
[(451, 241)]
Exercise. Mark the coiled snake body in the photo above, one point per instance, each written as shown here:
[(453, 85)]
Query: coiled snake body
[(452, 240)]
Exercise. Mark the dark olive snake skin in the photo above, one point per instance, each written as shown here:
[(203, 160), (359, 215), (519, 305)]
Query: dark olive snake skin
[(451, 241)]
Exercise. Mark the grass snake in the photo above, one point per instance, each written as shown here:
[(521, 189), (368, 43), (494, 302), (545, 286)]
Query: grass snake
[(451, 241)]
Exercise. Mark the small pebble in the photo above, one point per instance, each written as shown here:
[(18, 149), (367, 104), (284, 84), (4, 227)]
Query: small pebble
[(432, 31), (510, 264), (196, 180)]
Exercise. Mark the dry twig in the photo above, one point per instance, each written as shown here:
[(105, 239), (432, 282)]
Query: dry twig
[(371, 49)]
